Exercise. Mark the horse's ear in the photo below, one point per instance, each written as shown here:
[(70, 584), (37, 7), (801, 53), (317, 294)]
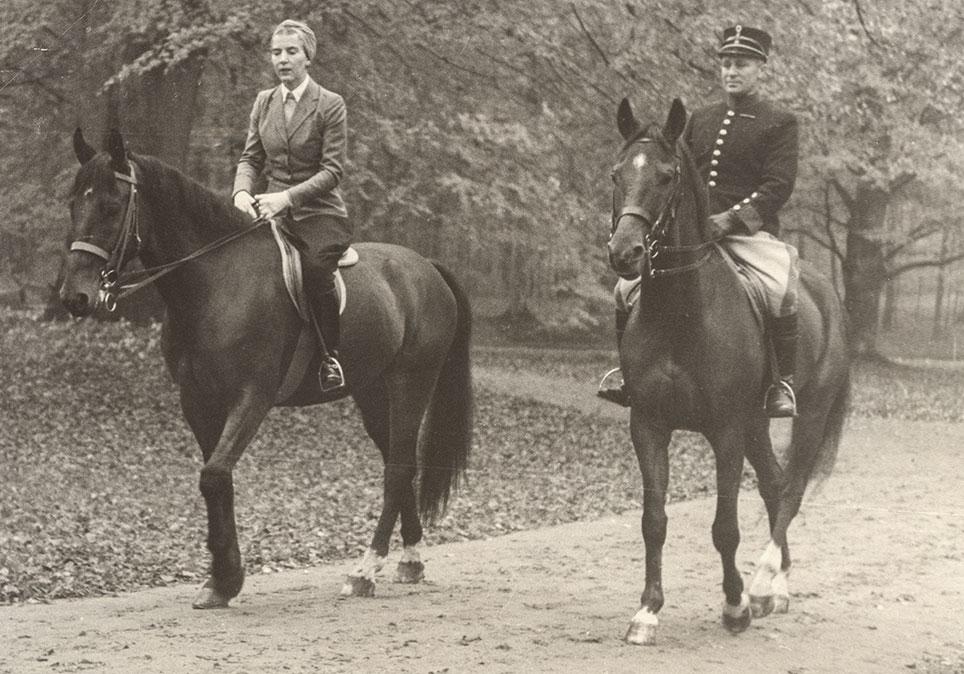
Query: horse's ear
[(626, 120), (117, 149), (675, 121), (83, 151)]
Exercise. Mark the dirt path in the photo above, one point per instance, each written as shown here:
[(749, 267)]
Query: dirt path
[(877, 586)]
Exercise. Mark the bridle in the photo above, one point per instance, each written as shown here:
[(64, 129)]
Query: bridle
[(653, 244), (114, 260), (114, 284)]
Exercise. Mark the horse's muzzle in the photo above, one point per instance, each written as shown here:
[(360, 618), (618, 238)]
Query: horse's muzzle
[(625, 262)]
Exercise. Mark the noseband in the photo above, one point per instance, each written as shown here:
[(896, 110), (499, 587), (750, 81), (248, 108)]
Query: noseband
[(114, 260)]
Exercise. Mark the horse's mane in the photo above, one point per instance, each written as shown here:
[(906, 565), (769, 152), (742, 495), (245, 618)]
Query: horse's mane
[(695, 186), (186, 204), (184, 196)]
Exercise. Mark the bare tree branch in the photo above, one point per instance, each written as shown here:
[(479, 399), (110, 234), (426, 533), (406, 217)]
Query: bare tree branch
[(592, 40), (860, 16), (827, 245), (922, 264), (843, 194)]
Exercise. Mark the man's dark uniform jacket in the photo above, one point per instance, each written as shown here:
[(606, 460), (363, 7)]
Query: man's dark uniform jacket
[(747, 157)]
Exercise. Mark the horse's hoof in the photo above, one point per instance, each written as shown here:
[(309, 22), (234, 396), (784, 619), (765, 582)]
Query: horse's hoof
[(642, 628), (761, 606), (737, 619), (781, 603), (356, 586), (409, 572), (641, 635), (209, 597)]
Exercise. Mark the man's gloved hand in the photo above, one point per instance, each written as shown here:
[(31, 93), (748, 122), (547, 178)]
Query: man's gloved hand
[(245, 203), (721, 224)]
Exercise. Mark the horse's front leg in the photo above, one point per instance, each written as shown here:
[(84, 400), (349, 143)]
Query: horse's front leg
[(217, 486), (728, 450), (651, 444)]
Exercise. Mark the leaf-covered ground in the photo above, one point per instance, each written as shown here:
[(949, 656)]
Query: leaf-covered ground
[(98, 471)]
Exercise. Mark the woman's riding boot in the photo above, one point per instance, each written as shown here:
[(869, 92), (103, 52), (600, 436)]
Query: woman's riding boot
[(780, 398), (616, 393), (326, 306)]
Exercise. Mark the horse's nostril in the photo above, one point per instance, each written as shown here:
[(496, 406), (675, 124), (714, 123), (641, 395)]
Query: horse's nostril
[(78, 304)]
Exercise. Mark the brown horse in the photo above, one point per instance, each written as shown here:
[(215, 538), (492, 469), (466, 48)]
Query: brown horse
[(231, 332), (694, 357)]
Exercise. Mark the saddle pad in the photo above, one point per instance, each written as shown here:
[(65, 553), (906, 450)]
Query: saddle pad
[(291, 272)]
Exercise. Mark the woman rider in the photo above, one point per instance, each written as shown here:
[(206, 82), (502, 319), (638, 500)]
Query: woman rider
[(297, 135)]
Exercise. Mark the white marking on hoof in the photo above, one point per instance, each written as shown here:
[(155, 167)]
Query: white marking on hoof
[(766, 569), (737, 618), (361, 580), (761, 607), (781, 593), (642, 628), (208, 598), (410, 567)]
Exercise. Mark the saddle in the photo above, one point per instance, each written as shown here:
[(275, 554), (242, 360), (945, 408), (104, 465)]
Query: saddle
[(757, 296), (291, 271)]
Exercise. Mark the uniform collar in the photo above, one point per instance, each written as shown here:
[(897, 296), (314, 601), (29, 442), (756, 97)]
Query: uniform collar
[(743, 103)]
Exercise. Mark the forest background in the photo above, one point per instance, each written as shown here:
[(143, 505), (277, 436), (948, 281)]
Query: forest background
[(482, 132)]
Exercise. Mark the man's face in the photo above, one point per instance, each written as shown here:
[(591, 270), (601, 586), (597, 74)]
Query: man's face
[(740, 75)]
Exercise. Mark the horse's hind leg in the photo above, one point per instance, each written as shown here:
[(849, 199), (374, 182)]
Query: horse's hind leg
[(769, 590), (393, 423)]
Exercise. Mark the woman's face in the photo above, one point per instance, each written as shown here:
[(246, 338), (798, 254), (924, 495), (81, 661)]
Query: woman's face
[(288, 59), (740, 75)]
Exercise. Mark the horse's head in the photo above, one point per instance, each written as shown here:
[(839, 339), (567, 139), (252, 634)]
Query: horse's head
[(103, 232), (646, 184)]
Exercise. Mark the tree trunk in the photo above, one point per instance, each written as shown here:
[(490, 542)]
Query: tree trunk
[(156, 110), (938, 328), (891, 297), (864, 269)]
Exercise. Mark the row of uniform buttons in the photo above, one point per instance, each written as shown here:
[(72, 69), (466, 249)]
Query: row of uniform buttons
[(716, 154)]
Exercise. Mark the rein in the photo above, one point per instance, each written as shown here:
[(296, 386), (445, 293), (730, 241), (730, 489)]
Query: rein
[(115, 286)]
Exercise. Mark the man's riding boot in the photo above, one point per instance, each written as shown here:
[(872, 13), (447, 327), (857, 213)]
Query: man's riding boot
[(780, 398), (610, 393), (325, 307)]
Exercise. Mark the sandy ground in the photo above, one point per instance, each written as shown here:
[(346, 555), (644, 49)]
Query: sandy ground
[(877, 586)]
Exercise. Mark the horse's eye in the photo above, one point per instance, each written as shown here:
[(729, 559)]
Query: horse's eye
[(109, 209)]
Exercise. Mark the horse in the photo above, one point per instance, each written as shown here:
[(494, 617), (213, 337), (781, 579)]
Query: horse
[(694, 357), (231, 332)]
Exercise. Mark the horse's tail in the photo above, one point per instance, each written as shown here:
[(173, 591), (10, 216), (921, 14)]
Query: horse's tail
[(447, 433), (814, 453), (826, 455)]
